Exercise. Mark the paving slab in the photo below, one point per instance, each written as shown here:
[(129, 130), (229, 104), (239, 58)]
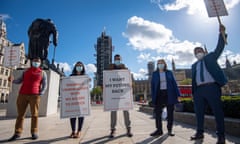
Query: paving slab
[(96, 129)]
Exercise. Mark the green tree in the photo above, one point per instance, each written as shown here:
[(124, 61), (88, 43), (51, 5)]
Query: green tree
[(96, 93), (187, 81)]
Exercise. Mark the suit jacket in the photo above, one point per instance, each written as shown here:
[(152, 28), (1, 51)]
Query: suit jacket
[(172, 88), (113, 66), (212, 66)]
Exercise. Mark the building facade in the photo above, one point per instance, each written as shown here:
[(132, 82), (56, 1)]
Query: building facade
[(103, 55), (142, 88), (5, 71)]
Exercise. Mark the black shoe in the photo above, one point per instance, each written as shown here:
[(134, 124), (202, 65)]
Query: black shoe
[(112, 134), (14, 137), (221, 140), (129, 134), (170, 133), (197, 137), (156, 133), (34, 136)]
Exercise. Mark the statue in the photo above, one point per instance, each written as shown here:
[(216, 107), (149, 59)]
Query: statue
[(39, 38)]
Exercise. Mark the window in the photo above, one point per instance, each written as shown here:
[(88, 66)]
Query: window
[(2, 70), (6, 72), (5, 83)]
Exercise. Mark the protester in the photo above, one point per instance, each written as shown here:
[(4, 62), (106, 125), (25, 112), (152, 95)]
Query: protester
[(78, 69), (116, 66), (34, 84), (165, 93), (207, 80)]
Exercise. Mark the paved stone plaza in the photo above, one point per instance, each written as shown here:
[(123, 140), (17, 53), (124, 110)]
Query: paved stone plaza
[(53, 130)]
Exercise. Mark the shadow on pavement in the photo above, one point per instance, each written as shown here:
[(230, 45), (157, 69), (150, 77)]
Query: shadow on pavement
[(154, 140), (47, 141), (102, 140)]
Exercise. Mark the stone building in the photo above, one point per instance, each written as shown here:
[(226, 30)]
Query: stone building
[(6, 71)]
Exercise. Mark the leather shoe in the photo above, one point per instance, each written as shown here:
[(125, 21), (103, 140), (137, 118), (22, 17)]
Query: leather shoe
[(197, 137), (77, 135), (112, 134), (72, 135), (221, 140), (34, 136), (14, 137), (170, 133), (156, 133)]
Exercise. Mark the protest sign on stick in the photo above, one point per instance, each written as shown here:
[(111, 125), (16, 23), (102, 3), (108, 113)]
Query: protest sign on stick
[(75, 96), (11, 59), (11, 56), (216, 8), (117, 90)]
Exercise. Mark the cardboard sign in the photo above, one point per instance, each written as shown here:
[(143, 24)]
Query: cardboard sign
[(75, 96), (216, 8), (11, 56), (117, 90)]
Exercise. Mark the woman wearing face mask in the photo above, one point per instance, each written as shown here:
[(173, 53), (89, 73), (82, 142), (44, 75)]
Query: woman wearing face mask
[(165, 93), (34, 84), (77, 70)]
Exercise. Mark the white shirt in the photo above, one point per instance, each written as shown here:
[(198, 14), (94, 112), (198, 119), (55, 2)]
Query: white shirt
[(207, 76), (163, 81)]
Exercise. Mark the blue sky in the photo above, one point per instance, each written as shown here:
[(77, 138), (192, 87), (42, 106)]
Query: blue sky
[(141, 30)]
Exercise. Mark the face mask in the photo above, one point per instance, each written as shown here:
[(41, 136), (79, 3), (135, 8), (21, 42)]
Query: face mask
[(117, 62), (161, 66), (79, 68), (199, 55), (36, 64)]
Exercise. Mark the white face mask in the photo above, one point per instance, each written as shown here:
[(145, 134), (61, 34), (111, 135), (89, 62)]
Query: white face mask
[(161, 66), (117, 62), (199, 55), (36, 64), (79, 68)]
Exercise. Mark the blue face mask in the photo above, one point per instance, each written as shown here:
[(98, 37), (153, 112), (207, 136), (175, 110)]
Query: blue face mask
[(79, 68), (161, 66), (36, 64), (117, 62)]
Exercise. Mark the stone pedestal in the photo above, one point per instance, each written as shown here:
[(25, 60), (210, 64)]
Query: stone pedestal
[(49, 100)]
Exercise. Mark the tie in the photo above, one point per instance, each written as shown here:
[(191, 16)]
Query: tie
[(201, 71)]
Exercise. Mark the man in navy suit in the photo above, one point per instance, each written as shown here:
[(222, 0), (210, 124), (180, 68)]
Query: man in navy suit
[(207, 80)]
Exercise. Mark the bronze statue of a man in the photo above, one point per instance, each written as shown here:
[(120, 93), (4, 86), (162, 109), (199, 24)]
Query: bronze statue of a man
[(39, 38)]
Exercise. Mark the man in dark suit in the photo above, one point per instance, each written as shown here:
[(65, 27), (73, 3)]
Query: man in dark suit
[(207, 80)]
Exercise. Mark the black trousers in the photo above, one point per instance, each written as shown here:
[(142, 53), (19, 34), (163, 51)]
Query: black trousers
[(160, 104), (73, 123)]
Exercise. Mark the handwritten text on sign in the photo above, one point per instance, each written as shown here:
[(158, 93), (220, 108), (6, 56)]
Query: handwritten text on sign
[(75, 96), (216, 8), (117, 90), (12, 56)]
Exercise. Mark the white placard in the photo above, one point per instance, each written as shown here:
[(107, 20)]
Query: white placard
[(11, 56), (75, 96), (216, 8), (117, 90)]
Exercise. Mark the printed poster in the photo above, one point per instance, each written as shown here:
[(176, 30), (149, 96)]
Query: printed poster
[(117, 90), (75, 96)]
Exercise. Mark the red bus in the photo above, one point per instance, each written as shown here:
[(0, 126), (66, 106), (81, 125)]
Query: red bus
[(185, 90)]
